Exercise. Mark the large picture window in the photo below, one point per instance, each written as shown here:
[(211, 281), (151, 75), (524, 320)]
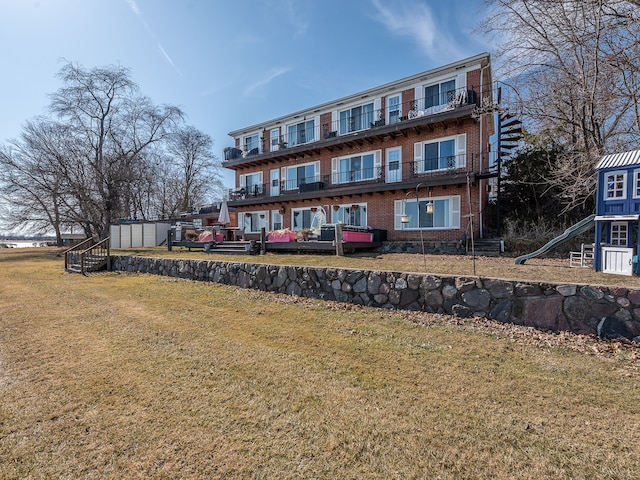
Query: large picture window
[(302, 174), (356, 168), (353, 169), (354, 215), (252, 144), (440, 93), (437, 213), (443, 154), (254, 221), (301, 218), (300, 133), (356, 118)]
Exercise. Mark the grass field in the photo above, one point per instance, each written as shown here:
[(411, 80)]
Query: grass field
[(136, 376)]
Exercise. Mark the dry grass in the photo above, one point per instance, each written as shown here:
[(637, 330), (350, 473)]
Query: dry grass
[(134, 376)]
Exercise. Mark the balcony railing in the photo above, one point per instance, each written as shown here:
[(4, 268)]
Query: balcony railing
[(431, 169), (361, 118)]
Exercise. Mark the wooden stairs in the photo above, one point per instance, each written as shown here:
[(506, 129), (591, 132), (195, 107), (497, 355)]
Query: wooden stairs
[(232, 248), (88, 257), (485, 247)]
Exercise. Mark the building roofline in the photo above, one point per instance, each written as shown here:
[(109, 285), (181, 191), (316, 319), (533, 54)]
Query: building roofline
[(622, 159), (482, 58)]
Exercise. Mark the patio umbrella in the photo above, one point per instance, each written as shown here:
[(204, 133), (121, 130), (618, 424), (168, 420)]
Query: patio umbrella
[(223, 216)]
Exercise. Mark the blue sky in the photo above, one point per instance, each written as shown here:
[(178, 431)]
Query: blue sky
[(228, 63)]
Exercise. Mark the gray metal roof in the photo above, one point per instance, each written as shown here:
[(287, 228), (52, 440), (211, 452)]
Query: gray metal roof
[(623, 159)]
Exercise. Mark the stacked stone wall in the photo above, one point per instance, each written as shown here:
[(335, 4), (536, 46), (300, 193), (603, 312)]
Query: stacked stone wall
[(568, 307)]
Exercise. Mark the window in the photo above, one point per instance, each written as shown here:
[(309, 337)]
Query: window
[(443, 154), (615, 185), (353, 169), (394, 167), (254, 221), (636, 183), (252, 183), (276, 220), (275, 182), (300, 133), (356, 118), (394, 109), (619, 234), (275, 139), (356, 168), (439, 94), (252, 144), (436, 213), (354, 215), (302, 174), (301, 218)]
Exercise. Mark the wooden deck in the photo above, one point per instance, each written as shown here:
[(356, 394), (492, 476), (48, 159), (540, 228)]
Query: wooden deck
[(244, 247), (319, 246)]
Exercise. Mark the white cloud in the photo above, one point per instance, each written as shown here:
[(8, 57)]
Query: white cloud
[(136, 10), (273, 74), (134, 7), (296, 19), (418, 22)]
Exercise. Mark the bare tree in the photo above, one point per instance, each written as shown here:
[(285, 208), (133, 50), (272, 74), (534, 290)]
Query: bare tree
[(196, 168), (576, 64), (33, 178), (112, 125)]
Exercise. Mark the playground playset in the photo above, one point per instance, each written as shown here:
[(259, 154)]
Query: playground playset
[(616, 221)]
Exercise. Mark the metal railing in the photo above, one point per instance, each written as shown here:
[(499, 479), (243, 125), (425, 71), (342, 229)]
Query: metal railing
[(428, 169), (361, 118)]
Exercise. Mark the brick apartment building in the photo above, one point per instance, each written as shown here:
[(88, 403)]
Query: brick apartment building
[(409, 157)]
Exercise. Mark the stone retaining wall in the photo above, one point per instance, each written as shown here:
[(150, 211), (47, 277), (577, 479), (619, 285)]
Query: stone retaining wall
[(575, 308)]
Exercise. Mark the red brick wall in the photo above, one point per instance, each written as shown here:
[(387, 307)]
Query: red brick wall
[(380, 206)]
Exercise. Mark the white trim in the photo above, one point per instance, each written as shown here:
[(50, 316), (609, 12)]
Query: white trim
[(625, 185), (614, 218)]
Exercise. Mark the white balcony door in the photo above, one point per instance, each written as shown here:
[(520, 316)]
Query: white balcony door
[(275, 182), (393, 165)]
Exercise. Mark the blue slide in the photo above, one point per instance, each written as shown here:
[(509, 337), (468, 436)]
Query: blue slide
[(571, 232)]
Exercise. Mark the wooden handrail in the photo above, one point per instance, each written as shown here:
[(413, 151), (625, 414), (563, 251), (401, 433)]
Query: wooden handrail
[(100, 247), (74, 248)]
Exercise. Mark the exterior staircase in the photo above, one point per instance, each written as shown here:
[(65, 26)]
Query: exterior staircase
[(485, 247), (234, 248), (87, 257)]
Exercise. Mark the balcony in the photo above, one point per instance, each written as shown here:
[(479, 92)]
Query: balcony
[(354, 126), (448, 170)]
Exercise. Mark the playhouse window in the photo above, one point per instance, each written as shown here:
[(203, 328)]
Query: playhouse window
[(619, 234), (636, 183), (615, 183)]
